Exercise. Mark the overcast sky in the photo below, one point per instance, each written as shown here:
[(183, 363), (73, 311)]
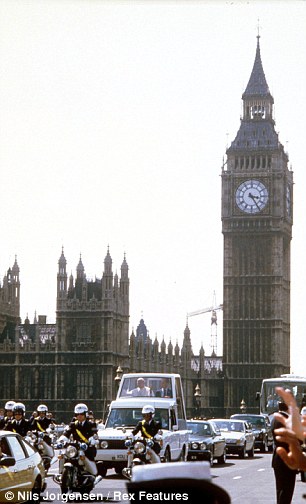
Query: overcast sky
[(115, 117)]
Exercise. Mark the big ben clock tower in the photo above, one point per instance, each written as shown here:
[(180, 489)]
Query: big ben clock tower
[(257, 228)]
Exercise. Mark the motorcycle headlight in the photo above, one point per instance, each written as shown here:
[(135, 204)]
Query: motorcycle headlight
[(139, 447), (71, 451), (203, 446), (127, 443), (104, 445), (194, 446)]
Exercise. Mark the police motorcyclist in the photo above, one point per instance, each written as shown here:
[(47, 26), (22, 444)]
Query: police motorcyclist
[(149, 428), (41, 422), (19, 424), (8, 416), (82, 429)]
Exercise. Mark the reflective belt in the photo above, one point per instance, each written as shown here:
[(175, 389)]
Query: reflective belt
[(40, 427), (147, 435), (79, 433)]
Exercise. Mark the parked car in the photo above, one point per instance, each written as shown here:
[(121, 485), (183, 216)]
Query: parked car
[(238, 435), (205, 442), (22, 470), (261, 428)]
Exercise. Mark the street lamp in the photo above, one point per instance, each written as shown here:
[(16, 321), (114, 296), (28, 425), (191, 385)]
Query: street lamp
[(197, 398), (118, 377), (243, 406)]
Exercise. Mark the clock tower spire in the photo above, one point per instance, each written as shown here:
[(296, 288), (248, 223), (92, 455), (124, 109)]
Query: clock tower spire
[(257, 229)]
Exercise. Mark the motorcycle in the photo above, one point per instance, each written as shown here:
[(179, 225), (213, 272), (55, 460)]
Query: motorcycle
[(140, 452), (77, 472), (43, 442)]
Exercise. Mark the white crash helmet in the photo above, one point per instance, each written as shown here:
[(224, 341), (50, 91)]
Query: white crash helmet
[(81, 409), (9, 405), (19, 407), (42, 408), (148, 409)]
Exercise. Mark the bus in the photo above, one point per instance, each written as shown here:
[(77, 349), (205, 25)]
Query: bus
[(269, 398)]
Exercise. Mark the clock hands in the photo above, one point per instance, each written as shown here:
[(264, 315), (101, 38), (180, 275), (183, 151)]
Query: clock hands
[(254, 198)]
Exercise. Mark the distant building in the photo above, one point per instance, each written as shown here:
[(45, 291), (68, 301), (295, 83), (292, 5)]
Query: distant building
[(75, 360)]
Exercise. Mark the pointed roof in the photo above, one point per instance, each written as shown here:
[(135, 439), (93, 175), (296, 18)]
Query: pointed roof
[(62, 260), (257, 84)]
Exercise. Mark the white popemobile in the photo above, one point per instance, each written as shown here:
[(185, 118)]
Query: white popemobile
[(161, 390)]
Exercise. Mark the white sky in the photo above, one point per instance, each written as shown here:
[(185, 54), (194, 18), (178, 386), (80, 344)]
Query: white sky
[(114, 120)]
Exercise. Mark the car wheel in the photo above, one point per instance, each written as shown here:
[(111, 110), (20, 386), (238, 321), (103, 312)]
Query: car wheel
[(242, 452), (222, 459), (102, 470), (211, 459), (167, 456), (264, 446), (183, 455), (35, 494), (251, 452)]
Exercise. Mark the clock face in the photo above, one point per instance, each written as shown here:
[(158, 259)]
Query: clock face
[(288, 201), (252, 196)]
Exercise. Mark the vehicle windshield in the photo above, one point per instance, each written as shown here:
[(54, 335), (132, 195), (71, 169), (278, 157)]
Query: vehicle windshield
[(269, 398), (199, 428), (229, 426), (149, 386), (256, 422), (129, 417)]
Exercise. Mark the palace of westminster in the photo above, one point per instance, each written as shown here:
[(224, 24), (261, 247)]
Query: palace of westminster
[(78, 358)]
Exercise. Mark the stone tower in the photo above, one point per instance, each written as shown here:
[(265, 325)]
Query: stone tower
[(257, 228), (9, 302), (92, 321)]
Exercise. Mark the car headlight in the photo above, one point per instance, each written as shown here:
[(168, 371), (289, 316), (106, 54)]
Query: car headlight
[(240, 441), (194, 446), (139, 447), (203, 446), (71, 451), (104, 445)]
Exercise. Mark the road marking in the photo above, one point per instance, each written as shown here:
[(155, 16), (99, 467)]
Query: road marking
[(258, 470), (237, 477)]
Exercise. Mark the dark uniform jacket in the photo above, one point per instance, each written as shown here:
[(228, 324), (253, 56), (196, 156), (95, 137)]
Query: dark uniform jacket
[(5, 422), (40, 423), (82, 431), (21, 427), (148, 430)]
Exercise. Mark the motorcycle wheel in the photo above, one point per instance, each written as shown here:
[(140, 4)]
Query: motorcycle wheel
[(66, 483)]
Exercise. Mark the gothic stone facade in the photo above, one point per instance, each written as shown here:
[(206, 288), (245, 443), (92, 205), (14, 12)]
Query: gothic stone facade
[(75, 360)]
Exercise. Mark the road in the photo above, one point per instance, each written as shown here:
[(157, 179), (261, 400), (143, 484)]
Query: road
[(248, 481)]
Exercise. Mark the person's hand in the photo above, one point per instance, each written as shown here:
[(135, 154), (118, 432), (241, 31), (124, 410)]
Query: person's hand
[(293, 422), (294, 457)]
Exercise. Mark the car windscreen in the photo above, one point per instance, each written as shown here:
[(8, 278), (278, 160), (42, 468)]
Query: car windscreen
[(230, 426), (129, 417), (256, 422), (149, 386), (199, 429)]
